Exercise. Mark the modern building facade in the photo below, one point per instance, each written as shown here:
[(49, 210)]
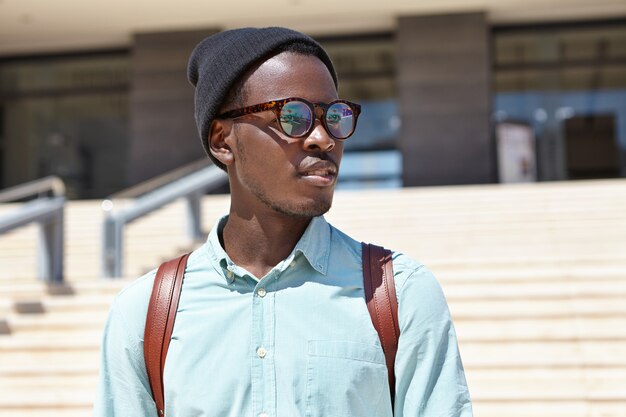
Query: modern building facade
[(461, 93)]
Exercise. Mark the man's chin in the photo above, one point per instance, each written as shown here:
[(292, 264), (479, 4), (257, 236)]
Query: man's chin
[(303, 210)]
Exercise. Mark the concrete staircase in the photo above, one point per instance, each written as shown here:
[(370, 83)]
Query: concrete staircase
[(535, 276)]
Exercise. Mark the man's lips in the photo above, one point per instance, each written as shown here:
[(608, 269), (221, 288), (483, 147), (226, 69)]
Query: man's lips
[(319, 173), (319, 167)]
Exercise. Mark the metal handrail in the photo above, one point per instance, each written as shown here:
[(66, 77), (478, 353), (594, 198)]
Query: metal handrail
[(40, 186), (160, 180), (48, 212), (190, 187)]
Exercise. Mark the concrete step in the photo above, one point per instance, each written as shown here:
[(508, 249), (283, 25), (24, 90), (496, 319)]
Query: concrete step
[(513, 356), (598, 289), (62, 411), (546, 330), (537, 309), (548, 408), (78, 397)]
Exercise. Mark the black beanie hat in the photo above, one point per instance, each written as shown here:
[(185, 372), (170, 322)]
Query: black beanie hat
[(219, 60)]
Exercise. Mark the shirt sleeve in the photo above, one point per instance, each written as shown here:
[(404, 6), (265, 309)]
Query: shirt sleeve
[(430, 381), (123, 387)]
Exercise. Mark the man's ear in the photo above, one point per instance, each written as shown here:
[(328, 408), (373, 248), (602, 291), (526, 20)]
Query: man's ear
[(220, 130)]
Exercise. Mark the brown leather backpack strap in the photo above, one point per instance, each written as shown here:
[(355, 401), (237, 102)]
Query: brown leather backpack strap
[(380, 296), (160, 323)]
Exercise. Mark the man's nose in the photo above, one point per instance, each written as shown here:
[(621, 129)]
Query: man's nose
[(318, 139)]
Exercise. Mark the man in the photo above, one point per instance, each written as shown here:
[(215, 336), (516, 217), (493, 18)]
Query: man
[(272, 319)]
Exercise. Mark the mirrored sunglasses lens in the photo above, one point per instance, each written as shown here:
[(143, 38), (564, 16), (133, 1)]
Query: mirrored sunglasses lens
[(340, 120), (296, 118)]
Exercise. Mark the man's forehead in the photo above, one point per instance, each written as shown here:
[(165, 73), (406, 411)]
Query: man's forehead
[(277, 63), (290, 74)]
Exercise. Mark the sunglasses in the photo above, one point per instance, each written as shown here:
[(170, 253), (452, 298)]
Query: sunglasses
[(296, 116)]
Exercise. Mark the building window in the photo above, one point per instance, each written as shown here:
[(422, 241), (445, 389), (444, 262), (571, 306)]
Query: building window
[(66, 116), (568, 82), (366, 66)]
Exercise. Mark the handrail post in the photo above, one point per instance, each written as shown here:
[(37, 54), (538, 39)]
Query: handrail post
[(191, 187), (112, 237), (194, 217), (51, 250)]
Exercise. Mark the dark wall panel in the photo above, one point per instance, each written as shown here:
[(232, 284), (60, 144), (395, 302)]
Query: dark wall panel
[(163, 130), (444, 92)]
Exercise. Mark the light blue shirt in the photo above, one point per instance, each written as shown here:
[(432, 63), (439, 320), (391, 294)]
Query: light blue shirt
[(297, 342)]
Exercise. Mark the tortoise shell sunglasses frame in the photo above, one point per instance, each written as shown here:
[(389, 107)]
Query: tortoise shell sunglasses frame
[(318, 110)]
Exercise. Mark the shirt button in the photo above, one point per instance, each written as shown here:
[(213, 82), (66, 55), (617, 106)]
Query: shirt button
[(261, 352), (229, 274), (261, 292)]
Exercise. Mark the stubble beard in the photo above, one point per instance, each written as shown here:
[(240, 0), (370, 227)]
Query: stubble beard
[(303, 210)]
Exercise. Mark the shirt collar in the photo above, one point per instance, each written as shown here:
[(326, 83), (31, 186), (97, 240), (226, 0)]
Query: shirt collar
[(218, 255), (314, 245)]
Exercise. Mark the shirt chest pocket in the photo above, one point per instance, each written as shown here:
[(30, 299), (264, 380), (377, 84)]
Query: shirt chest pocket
[(346, 379)]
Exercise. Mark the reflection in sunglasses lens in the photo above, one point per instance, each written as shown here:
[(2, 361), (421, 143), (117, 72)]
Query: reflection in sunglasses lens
[(296, 118), (340, 120)]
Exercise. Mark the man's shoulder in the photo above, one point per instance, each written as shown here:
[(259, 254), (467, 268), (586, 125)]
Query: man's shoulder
[(132, 301), (131, 304), (418, 291), (406, 270), (137, 290), (404, 267)]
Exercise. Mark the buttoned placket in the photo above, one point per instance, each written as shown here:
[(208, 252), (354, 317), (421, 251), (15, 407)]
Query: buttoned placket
[(262, 347)]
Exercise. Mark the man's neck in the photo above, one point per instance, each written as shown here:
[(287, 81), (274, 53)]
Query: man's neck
[(259, 242)]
